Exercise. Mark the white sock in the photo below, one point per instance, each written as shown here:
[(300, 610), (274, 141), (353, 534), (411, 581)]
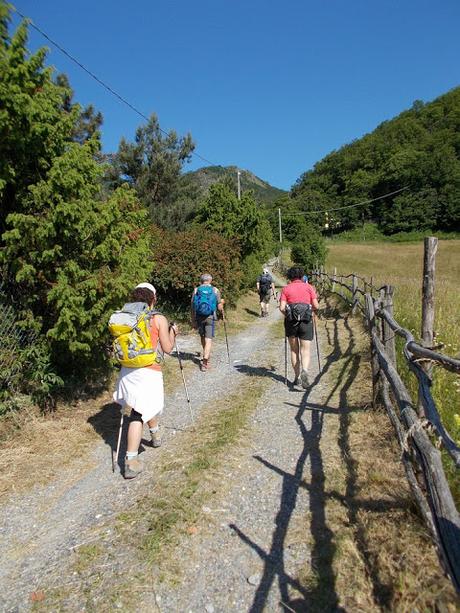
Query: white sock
[(130, 455), (154, 429)]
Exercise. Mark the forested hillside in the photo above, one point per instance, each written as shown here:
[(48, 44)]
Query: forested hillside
[(207, 176), (418, 150)]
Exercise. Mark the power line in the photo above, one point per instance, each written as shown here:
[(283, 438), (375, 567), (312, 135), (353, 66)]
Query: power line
[(348, 206), (96, 78)]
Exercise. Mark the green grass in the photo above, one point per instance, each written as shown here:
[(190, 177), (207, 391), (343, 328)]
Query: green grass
[(401, 265), (370, 232)]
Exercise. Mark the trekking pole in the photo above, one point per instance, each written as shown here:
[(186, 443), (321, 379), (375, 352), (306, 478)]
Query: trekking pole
[(226, 337), (183, 379), (285, 360), (120, 430), (317, 343)]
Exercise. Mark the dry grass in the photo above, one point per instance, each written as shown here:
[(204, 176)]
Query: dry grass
[(401, 265), (373, 553), (66, 435)]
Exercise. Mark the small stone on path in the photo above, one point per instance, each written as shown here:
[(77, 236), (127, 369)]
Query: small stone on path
[(254, 579)]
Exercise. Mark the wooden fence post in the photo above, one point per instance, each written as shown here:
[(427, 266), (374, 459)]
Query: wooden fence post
[(354, 299), (370, 313), (334, 276), (429, 265), (388, 336), (430, 247)]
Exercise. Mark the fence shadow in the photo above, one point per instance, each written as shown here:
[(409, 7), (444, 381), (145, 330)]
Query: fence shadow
[(319, 593), (382, 592)]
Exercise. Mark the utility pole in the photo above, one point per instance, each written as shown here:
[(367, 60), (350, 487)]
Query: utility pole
[(239, 185), (279, 225)]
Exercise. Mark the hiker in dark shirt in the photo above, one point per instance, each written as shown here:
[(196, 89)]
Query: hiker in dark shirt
[(206, 305), (266, 289)]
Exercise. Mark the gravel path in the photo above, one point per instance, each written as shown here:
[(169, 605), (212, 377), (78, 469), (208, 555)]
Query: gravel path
[(40, 529), (247, 555)]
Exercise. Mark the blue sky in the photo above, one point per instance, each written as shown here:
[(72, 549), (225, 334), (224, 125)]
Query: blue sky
[(266, 85)]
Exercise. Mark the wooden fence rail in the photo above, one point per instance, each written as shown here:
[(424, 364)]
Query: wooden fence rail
[(419, 435)]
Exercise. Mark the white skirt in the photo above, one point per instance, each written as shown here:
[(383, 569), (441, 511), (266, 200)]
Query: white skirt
[(142, 390)]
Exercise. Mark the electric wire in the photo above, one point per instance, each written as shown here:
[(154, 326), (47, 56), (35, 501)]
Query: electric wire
[(348, 206), (95, 77)]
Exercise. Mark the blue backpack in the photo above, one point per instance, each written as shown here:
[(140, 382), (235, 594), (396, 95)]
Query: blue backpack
[(205, 301)]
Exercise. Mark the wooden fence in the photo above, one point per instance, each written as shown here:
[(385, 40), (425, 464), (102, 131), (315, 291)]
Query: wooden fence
[(418, 426)]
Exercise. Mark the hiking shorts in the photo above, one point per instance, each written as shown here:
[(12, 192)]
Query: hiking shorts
[(206, 326), (302, 330), (265, 298)]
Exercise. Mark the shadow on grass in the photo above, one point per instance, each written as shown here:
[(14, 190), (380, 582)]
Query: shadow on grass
[(259, 371)]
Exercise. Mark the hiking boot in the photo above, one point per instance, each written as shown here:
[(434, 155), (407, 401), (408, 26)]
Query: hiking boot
[(296, 382), (156, 438), (132, 468), (204, 365), (304, 379)]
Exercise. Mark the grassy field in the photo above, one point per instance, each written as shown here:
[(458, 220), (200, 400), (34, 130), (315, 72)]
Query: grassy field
[(401, 265)]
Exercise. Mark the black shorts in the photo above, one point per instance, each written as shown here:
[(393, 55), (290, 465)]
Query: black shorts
[(265, 298), (302, 330)]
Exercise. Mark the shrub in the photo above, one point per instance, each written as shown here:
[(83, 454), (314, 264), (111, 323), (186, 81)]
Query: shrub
[(309, 250), (181, 257)]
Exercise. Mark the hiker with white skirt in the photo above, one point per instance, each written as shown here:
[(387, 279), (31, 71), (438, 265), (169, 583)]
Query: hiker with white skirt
[(139, 349)]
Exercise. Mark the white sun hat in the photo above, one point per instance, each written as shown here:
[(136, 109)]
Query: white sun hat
[(146, 286)]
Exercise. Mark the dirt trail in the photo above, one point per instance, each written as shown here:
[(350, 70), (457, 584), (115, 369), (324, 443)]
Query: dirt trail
[(40, 529)]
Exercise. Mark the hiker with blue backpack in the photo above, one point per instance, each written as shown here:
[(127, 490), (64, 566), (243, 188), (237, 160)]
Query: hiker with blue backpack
[(141, 336), (206, 306)]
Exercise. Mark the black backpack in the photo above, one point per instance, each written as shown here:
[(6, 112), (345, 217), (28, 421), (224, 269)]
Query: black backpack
[(265, 284), (298, 312)]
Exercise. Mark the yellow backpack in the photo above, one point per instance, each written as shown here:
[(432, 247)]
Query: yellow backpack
[(132, 345)]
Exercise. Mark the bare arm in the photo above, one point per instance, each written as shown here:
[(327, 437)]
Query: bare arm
[(315, 304), (192, 310), (166, 334), (282, 307), (220, 301)]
